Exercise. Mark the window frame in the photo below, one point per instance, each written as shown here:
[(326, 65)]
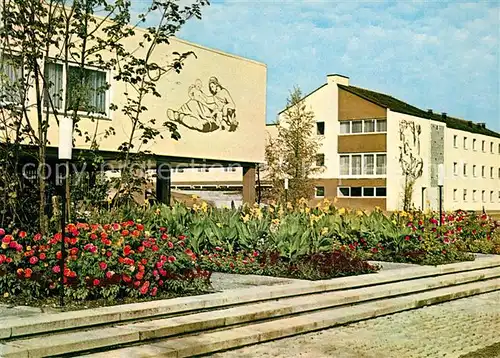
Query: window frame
[(375, 172), (362, 192), (107, 94), (318, 124), (316, 192), (375, 122)]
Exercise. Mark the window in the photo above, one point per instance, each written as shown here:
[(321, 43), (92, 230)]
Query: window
[(491, 172), (320, 128), (474, 170), (465, 169), (368, 191), (369, 166), (455, 168), (492, 194), (357, 127), (229, 169), (491, 147), (465, 195), (320, 160), (381, 164), (455, 141), (483, 196), (10, 80), (483, 171), (178, 170), (381, 192), (474, 144), (465, 142), (345, 127), (201, 170), (320, 191), (381, 126), (483, 146), (356, 165), (356, 191), (455, 192), (90, 85), (499, 149), (344, 165), (498, 173), (474, 196), (344, 191), (369, 126)]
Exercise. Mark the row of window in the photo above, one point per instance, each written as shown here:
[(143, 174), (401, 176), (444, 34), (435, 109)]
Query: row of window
[(80, 89), (354, 192), (203, 169), (363, 164), (475, 194), (357, 126), (475, 171), (363, 126), (475, 144)]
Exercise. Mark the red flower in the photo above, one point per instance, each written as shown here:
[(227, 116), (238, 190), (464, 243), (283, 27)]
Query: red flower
[(144, 261), (255, 254), (116, 226), (2, 232), (73, 251), (139, 276), (96, 282), (181, 237), (374, 250), (140, 227), (37, 237), (125, 232), (20, 271), (28, 272), (407, 238), (126, 278), (127, 250), (33, 260), (140, 249), (22, 234), (162, 229), (170, 245), (218, 248), (144, 289), (109, 274), (171, 259), (103, 266), (93, 236), (153, 291), (155, 248), (136, 233), (109, 253), (58, 255)]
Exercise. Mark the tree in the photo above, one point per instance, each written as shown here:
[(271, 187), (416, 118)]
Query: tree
[(292, 154), (409, 159), (38, 38)]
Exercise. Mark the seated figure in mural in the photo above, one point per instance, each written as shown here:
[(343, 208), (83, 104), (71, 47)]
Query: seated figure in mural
[(206, 113)]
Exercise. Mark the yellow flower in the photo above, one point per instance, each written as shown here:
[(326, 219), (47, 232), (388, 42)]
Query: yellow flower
[(271, 209), (377, 208), (245, 218), (6, 294), (158, 211), (360, 213), (275, 221), (4, 245), (219, 225), (341, 211), (324, 231), (28, 248), (289, 206), (308, 210), (194, 196)]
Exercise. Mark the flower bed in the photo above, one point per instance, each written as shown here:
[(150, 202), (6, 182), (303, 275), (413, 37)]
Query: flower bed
[(319, 266), (110, 261)]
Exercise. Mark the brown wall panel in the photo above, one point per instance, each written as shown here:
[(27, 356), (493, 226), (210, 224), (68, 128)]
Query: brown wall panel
[(354, 107), (363, 143)]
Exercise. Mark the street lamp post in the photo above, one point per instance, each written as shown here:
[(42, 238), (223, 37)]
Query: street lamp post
[(423, 197), (440, 185), (64, 154)]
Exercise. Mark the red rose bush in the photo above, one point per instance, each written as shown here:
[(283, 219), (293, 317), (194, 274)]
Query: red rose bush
[(102, 261)]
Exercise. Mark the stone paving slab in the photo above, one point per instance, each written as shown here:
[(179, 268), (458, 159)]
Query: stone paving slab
[(450, 330)]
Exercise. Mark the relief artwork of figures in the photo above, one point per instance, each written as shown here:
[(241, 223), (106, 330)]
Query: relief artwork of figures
[(206, 112)]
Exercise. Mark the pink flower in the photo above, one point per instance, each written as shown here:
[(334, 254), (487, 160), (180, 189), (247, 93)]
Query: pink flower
[(56, 269), (170, 245), (109, 274), (171, 259), (33, 260), (103, 266)]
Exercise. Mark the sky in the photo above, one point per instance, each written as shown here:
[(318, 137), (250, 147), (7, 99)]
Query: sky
[(431, 54)]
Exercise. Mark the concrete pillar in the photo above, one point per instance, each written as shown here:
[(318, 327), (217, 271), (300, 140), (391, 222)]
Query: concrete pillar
[(163, 181), (249, 184)]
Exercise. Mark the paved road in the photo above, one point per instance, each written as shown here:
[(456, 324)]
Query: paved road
[(450, 329)]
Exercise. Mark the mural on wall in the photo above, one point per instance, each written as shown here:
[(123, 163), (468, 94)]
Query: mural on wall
[(206, 112), (410, 159)]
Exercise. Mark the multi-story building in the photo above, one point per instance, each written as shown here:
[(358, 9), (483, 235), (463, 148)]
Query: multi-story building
[(217, 102), (369, 137)]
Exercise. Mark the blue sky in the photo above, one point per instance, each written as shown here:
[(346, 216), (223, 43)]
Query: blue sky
[(432, 54)]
